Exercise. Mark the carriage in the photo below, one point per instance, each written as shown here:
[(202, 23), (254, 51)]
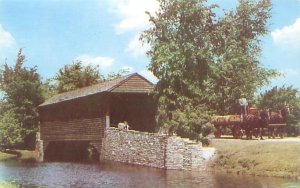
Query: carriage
[(255, 123), (232, 122)]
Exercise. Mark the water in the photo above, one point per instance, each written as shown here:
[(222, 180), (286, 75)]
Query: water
[(63, 174)]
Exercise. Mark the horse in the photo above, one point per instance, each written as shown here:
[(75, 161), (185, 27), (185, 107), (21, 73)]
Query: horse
[(277, 120), (250, 123), (254, 122)]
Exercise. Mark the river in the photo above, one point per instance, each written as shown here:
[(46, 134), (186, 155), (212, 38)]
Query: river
[(67, 174)]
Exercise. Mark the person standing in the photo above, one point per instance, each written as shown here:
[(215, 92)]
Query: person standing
[(243, 106)]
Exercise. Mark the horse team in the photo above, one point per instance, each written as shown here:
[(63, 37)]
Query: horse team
[(254, 123)]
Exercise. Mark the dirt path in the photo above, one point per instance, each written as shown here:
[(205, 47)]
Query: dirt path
[(266, 139), (295, 139)]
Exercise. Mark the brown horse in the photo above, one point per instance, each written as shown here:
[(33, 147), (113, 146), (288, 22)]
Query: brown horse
[(254, 123), (277, 122), (249, 124)]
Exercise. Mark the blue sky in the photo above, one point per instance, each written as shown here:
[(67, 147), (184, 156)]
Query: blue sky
[(53, 33)]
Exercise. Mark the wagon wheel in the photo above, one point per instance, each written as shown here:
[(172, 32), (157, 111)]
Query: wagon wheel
[(237, 132), (218, 133)]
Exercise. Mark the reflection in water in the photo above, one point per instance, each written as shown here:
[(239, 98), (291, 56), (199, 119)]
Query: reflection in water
[(118, 175)]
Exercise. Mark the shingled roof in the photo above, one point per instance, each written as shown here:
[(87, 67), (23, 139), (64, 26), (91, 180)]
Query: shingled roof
[(133, 83)]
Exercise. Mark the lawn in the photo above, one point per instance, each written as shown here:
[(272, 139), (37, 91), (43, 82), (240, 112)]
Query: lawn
[(263, 158), (18, 154)]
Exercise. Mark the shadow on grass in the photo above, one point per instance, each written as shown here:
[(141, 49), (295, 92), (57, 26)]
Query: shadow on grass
[(21, 155), (12, 152)]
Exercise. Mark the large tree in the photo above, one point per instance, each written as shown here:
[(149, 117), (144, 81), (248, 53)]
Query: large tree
[(237, 50), (204, 61), (22, 94), (180, 58)]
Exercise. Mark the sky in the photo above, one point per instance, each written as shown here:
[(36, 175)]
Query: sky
[(53, 33)]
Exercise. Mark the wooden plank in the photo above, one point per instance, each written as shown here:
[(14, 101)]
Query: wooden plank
[(84, 129), (134, 84)]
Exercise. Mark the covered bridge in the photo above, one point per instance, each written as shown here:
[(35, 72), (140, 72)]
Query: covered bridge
[(80, 117)]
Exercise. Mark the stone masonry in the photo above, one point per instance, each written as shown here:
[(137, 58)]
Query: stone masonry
[(150, 149)]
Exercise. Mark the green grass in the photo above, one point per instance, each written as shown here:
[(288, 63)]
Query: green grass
[(4, 156), (7, 185), (255, 157), (20, 154)]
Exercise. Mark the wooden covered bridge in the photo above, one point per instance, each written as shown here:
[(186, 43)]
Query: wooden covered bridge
[(79, 118)]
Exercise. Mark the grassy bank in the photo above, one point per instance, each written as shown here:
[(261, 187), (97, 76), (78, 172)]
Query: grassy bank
[(262, 158), (7, 185), (18, 154)]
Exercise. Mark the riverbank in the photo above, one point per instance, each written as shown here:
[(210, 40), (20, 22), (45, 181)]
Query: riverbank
[(270, 157), (17, 154)]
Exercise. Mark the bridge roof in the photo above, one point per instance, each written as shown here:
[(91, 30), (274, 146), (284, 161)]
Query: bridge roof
[(133, 83)]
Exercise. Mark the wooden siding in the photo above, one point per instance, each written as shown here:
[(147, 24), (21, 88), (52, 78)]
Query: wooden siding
[(79, 130), (134, 84)]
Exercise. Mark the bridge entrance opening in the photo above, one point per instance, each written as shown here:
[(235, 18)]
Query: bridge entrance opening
[(73, 151)]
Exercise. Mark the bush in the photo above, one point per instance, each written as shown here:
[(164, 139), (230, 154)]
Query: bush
[(205, 141), (207, 129), (191, 122)]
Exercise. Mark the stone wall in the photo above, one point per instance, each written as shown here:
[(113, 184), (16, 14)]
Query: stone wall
[(133, 147), (151, 149)]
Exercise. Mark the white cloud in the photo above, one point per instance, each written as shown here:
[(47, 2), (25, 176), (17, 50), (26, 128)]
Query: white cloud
[(288, 37), (103, 62), (133, 18), (7, 42), (136, 47), (148, 75), (127, 68), (132, 14), (291, 72)]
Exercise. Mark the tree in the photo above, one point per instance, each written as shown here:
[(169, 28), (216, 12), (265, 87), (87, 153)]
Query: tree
[(237, 49), (199, 57), (113, 75), (180, 58), (10, 130), (49, 89), (279, 97), (22, 94), (76, 76)]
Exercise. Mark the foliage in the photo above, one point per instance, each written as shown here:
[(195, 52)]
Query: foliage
[(113, 75), (189, 122), (278, 98), (180, 59), (10, 129), (204, 60), (237, 47), (76, 76), (49, 89), (22, 94)]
